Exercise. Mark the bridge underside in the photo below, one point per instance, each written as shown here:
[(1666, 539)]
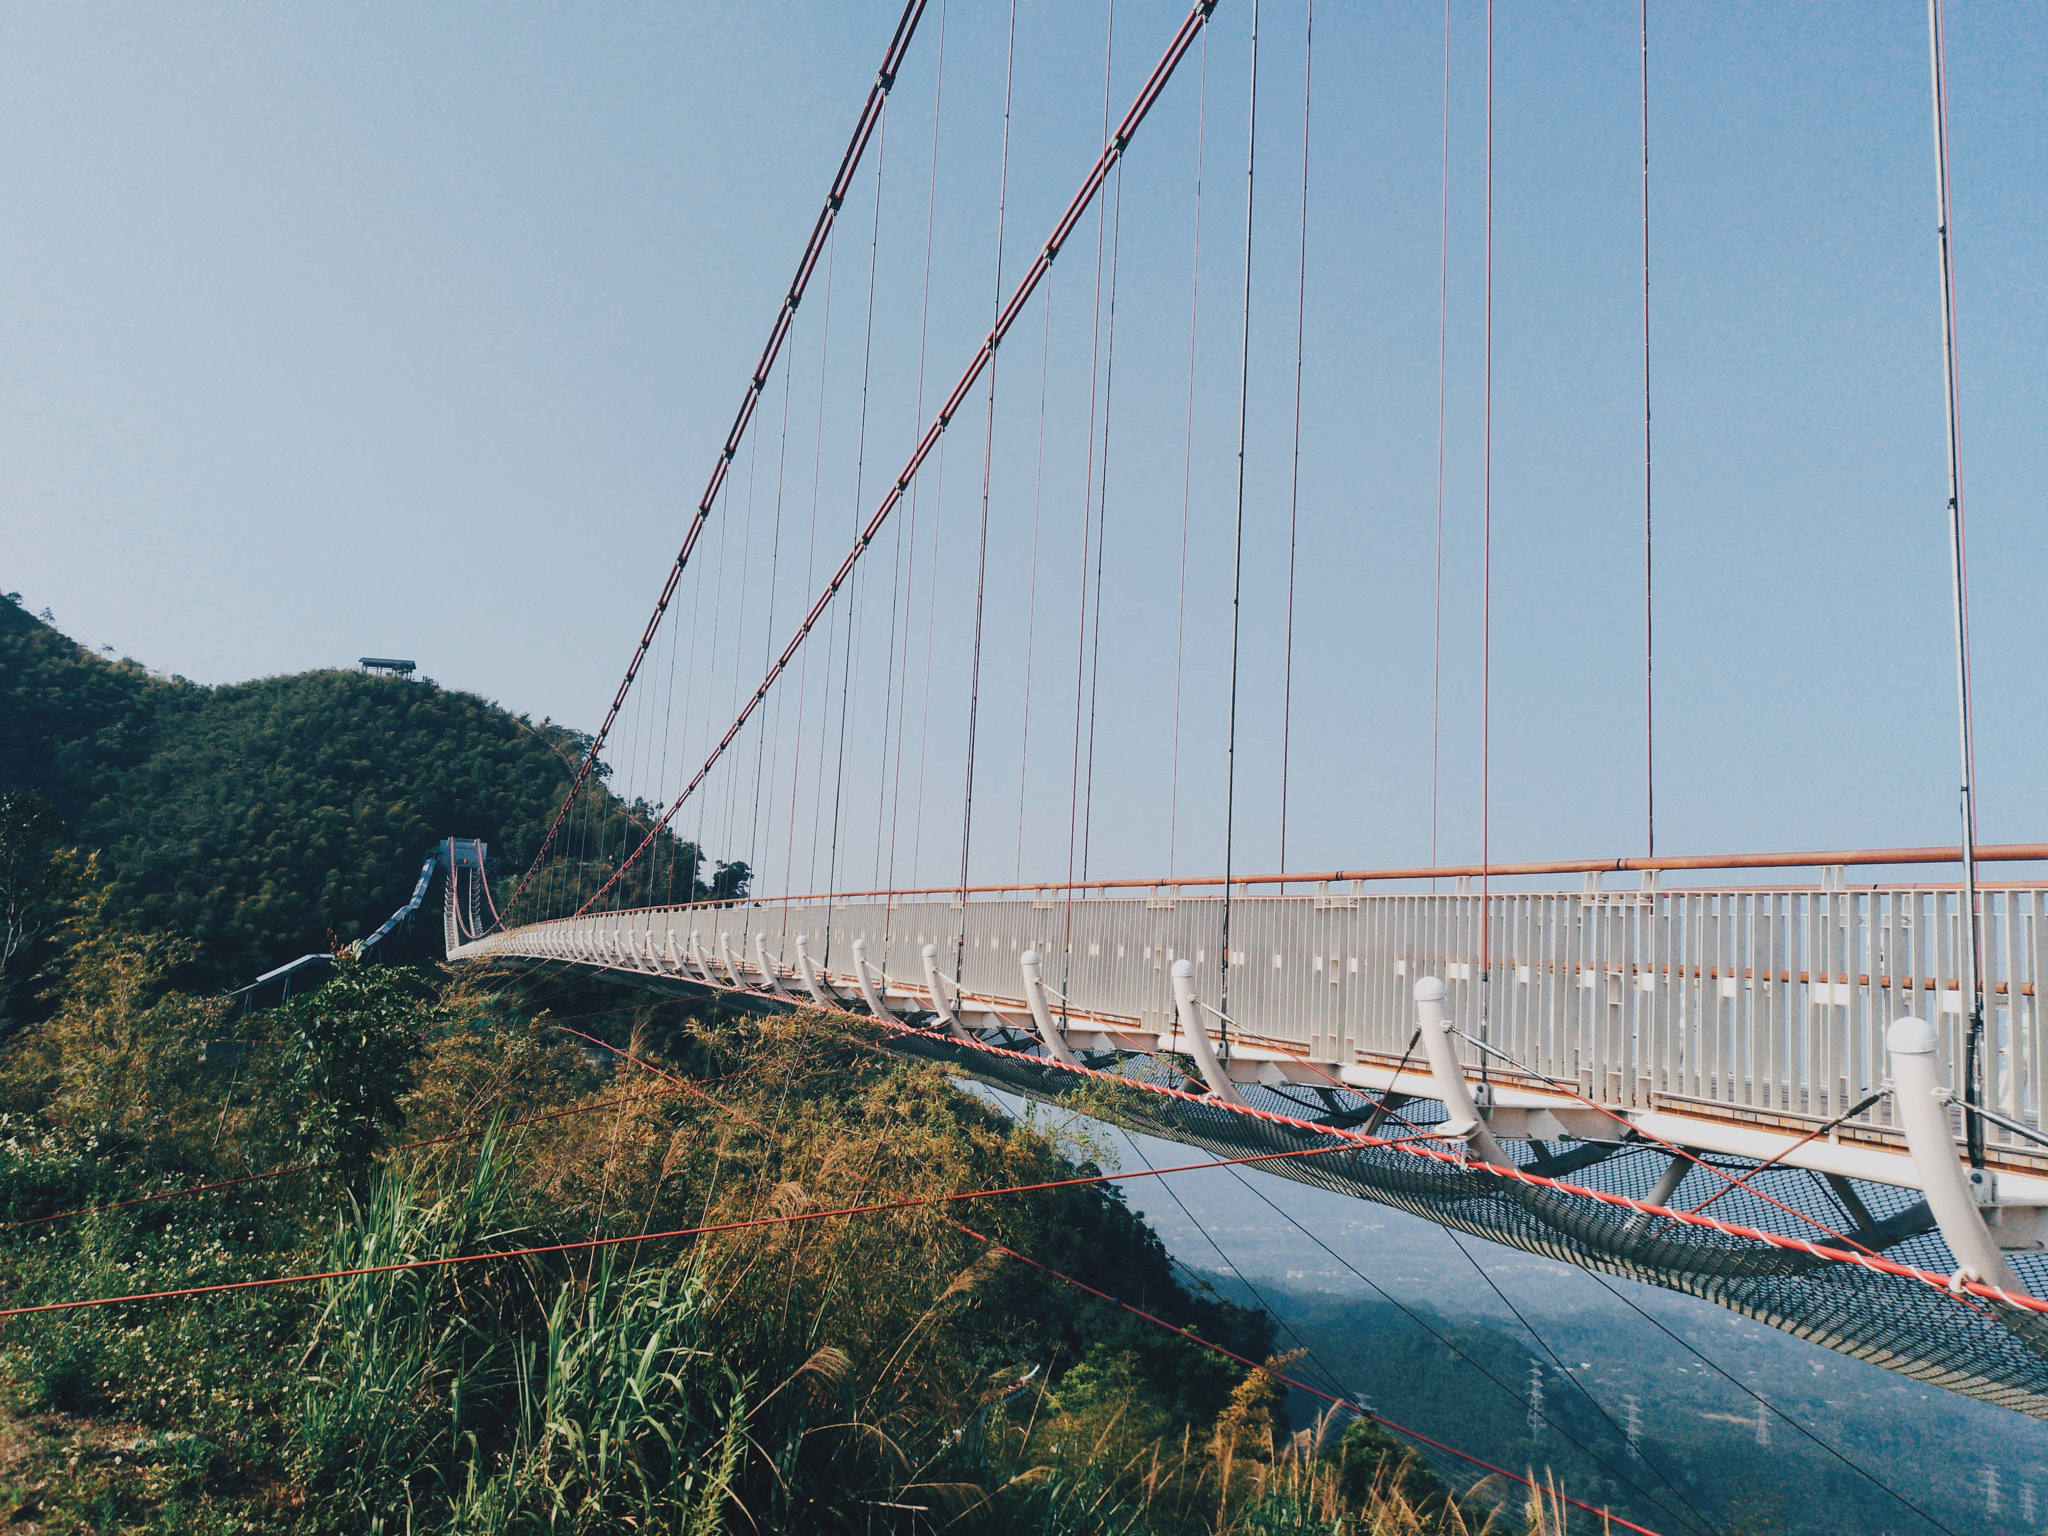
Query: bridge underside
[(1855, 1181)]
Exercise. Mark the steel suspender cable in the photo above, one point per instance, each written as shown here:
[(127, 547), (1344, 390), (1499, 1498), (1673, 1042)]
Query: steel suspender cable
[(1443, 311), (864, 127), (1649, 566), (890, 703), (1031, 602), (988, 460), (1112, 152), (1486, 597), (1973, 956), (803, 681), (755, 831), (860, 464), (739, 641), (1116, 242), (917, 416), (1187, 470), (1308, 45), (1087, 532), (1244, 375), (931, 631)]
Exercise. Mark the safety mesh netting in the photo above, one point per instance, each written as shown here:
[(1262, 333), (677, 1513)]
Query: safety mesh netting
[(1965, 1344)]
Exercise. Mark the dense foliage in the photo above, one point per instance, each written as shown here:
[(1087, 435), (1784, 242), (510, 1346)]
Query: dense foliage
[(259, 819), (883, 1372)]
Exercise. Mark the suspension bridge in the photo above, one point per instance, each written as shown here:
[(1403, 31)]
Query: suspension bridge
[(1816, 1103)]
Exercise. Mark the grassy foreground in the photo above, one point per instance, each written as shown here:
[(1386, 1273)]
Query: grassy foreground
[(886, 1372)]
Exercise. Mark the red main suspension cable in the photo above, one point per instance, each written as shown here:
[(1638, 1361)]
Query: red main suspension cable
[(785, 316), (1112, 152)]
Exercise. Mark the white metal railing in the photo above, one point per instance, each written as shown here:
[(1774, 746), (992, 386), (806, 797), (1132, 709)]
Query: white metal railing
[(1773, 999)]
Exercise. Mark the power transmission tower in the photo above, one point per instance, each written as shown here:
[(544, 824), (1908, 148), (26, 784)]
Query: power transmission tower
[(1632, 1424), (1535, 1399)]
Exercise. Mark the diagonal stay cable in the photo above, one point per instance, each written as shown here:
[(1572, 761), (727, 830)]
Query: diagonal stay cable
[(785, 316), (1719, 1370), (1960, 1287), (1444, 1339), (984, 355), (1350, 1405), (1232, 1267), (1727, 1179), (908, 1203), (1584, 1391)]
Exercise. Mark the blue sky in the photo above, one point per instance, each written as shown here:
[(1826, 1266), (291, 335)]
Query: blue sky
[(334, 331)]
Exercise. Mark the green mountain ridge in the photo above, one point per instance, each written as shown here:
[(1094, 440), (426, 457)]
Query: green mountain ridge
[(257, 819)]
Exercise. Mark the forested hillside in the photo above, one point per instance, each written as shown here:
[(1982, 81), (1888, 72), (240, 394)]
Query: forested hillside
[(259, 818)]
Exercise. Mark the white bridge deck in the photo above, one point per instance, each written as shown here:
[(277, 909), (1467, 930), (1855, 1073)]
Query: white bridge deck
[(1728, 1020)]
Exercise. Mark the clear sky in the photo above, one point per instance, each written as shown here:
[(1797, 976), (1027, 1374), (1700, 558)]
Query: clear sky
[(329, 331)]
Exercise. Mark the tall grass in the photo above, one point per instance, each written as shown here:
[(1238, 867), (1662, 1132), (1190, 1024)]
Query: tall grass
[(885, 1375), (623, 1421), (399, 1364)]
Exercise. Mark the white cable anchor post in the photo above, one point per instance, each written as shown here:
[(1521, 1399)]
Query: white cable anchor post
[(732, 965), (1921, 1104), (1041, 1015), (868, 994), (1465, 1123), (936, 984), (697, 959), (809, 973), (768, 972), (675, 962), (1190, 1011)]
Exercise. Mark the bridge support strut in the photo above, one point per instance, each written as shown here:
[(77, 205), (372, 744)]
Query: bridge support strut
[(1190, 1010), (868, 994), (769, 972), (1465, 1123), (936, 985), (809, 973), (1041, 1015), (1922, 1108)]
